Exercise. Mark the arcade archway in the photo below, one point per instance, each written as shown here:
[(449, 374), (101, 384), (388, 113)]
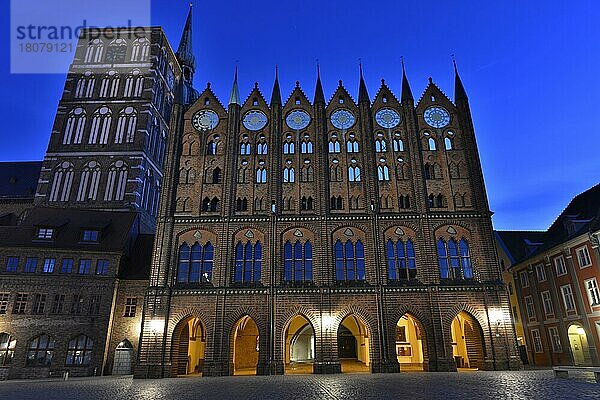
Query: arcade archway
[(189, 347), (299, 342), (467, 342), (353, 345), (245, 346), (411, 346)]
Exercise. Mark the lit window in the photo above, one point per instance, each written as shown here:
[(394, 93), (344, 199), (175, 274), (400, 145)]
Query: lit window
[(102, 267), (524, 277), (7, 349), (537, 340), (540, 272), (45, 233), (530, 308), (591, 286), (79, 351), (48, 267), (559, 265), (12, 263), (67, 266), (130, 307), (454, 259), (31, 264), (195, 263), (555, 339), (90, 235), (84, 267), (547, 303)]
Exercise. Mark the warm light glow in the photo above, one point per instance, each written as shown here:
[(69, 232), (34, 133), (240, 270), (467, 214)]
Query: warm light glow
[(580, 331), (496, 316), (327, 322), (156, 324)]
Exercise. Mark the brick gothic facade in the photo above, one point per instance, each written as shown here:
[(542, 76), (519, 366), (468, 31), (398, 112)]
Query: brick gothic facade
[(243, 181)]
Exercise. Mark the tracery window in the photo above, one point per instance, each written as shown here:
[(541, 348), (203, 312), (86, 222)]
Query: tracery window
[(85, 85), (116, 181), (401, 260), (289, 147), (100, 129), (89, 182), (195, 263), (398, 145), (349, 261), (334, 146), (126, 125), (140, 50), (380, 146), (75, 126), (454, 259), (261, 175), (94, 52), (352, 146), (61, 182), (248, 262), (383, 173), (306, 147), (297, 261), (134, 84), (289, 175), (354, 173)]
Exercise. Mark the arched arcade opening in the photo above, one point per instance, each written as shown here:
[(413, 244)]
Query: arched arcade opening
[(245, 346), (299, 342), (189, 347), (353, 345), (467, 342), (411, 344)]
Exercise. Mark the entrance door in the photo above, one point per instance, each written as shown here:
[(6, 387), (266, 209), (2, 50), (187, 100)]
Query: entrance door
[(346, 343), (578, 343), (123, 357)]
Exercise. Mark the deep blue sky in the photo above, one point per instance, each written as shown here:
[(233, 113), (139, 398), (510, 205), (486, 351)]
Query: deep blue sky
[(530, 69)]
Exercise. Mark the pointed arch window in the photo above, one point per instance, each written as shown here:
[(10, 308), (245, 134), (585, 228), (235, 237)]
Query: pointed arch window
[(380, 146), (244, 148), (95, 51), (210, 205), (248, 262), (75, 126), (352, 146), (195, 263), (349, 261), (134, 84), (109, 86), (241, 204), (448, 143), (40, 351), (334, 146), (306, 147), (140, 50), (211, 148), (216, 175), (289, 147), (297, 262), (89, 181), (116, 182), (261, 175), (402, 264), (398, 145), (126, 125), (404, 201), (431, 144), (85, 85), (306, 203), (101, 122), (383, 173), (336, 203), (454, 259), (261, 148), (354, 173), (79, 350), (307, 174), (289, 175), (61, 182)]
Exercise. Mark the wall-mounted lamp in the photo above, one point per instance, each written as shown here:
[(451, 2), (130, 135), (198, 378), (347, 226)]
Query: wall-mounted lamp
[(156, 325), (327, 322)]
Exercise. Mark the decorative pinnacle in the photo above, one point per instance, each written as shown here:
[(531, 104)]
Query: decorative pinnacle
[(430, 80), (318, 68), (340, 82), (208, 85), (255, 85), (297, 84)]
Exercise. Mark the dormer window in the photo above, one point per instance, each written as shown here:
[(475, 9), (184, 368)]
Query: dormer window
[(90, 235), (384, 99), (45, 233), (255, 101), (341, 100), (206, 101), (297, 101)]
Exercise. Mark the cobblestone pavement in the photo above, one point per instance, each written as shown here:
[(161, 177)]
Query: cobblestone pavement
[(473, 385)]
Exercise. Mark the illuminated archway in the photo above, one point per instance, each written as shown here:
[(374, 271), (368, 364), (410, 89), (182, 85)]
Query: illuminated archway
[(189, 347), (411, 344), (299, 342), (579, 345), (245, 346), (467, 342), (353, 345)]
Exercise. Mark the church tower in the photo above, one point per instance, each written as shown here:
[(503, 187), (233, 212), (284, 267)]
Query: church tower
[(108, 142)]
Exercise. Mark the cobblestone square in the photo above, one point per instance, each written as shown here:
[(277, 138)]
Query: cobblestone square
[(473, 385)]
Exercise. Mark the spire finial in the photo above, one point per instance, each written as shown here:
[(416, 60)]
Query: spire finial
[(276, 94), (459, 89), (297, 84), (318, 68), (234, 97), (454, 62), (276, 72), (406, 92), (402, 61), (255, 85), (363, 95)]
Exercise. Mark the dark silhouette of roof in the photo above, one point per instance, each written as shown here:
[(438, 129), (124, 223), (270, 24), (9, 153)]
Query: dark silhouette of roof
[(582, 215), (19, 179)]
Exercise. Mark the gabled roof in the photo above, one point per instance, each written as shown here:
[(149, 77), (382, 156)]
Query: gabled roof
[(581, 216), (19, 179), (116, 229)]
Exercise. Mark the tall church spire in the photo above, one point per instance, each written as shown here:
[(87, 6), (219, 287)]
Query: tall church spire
[(276, 95), (234, 97), (184, 53), (459, 90), (363, 95), (319, 96), (185, 56), (406, 92)]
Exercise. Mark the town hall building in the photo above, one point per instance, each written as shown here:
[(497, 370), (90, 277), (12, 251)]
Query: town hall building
[(291, 234)]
